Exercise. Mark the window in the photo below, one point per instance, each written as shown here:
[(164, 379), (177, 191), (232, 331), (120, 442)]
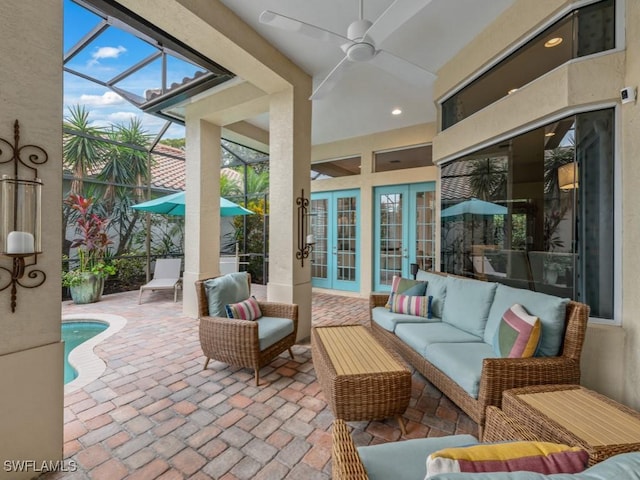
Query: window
[(412, 157), (584, 31), (536, 211)]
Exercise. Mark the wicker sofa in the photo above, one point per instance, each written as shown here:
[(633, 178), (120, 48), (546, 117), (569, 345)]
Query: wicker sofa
[(481, 305), (406, 460)]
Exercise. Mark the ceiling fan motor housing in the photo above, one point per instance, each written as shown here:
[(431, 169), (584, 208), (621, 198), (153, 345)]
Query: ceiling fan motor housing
[(363, 48)]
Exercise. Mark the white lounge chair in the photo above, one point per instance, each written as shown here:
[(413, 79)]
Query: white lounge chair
[(166, 276)]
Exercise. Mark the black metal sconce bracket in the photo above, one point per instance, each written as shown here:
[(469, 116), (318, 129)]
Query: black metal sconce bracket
[(304, 248), (17, 274)]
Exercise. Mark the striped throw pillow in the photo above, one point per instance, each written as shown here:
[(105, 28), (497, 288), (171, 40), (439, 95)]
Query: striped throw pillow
[(405, 286), (518, 333), (410, 304), (539, 457), (245, 310)]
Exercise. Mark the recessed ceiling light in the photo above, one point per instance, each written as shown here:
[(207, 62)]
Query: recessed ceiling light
[(396, 111), (513, 90), (549, 134), (553, 42)]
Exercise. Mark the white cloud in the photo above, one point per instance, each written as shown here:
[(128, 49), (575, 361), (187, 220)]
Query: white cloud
[(119, 117), (107, 98), (106, 52)]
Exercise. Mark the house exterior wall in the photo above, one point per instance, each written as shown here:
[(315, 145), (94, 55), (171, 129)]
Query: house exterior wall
[(31, 354), (611, 353), (365, 146)]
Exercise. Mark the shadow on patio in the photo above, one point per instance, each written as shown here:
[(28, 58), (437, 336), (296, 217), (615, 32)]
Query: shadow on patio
[(155, 413)]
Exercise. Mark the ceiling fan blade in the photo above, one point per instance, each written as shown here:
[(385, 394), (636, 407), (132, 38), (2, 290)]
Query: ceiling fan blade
[(330, 80), (394, 17), (402, 68), (293, 25)]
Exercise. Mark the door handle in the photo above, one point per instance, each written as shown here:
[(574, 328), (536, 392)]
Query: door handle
[(335, 250), (405, 253)]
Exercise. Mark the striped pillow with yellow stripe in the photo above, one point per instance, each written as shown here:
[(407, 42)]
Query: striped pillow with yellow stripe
[(539, 457)]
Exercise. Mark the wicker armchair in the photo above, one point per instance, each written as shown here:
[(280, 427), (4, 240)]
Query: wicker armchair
[(236, 342)]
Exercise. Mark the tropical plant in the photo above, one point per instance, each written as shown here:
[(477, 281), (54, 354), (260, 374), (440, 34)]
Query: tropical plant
[(488, 178), (92, 242), (81, 151)]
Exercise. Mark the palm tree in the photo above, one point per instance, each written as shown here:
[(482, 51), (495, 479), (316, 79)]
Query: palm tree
[(488, 178), (81, 152)]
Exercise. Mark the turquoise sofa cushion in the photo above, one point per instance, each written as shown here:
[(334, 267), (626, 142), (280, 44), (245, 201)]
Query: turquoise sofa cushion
[(624, 466), (549, 309), (436, 288), (224, 290), (406, 460), (461, 362), (388, 320), (273, 329), (420, 335), (468, 303)]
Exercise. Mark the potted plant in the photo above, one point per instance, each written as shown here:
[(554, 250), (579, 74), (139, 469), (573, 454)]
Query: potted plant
[(86, 282)]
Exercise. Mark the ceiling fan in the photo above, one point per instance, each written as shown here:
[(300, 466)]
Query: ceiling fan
[(362, 42)]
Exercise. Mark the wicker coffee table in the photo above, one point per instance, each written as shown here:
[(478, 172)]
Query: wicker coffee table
[(575, 416), (359, 377)]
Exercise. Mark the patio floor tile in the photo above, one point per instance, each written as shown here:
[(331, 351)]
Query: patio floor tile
[(156, 414)]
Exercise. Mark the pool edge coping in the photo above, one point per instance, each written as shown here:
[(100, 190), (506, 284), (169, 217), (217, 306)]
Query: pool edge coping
[(88, 365)]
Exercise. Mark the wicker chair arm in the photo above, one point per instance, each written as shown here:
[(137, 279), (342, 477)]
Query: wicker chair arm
[(377, 300), (500, 374), (235, 341), (280, 310), (346, 463)]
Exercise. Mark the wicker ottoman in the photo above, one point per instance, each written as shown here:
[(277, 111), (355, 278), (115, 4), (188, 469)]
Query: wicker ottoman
[(360, 379)]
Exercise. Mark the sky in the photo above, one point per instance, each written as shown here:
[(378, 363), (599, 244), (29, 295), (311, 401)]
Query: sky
[(112, 52)]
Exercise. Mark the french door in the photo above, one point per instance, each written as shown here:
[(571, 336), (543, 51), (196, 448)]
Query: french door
[(335, 258), (404, 231)]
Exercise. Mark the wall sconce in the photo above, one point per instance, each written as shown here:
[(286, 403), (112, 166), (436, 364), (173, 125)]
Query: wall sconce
[(305, 239), (568, 176), (414, 270), (20, 214)]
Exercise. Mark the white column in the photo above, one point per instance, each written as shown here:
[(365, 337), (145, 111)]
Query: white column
[(289, 168), (202, 219)]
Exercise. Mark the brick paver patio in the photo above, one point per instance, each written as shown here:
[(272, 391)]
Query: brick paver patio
[(155, 414)]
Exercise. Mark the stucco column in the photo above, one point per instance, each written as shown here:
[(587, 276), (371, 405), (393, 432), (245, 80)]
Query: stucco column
[(289, 167), (202, 219)]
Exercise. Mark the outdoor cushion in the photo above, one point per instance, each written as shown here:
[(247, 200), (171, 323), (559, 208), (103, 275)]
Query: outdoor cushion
[(224, 290), (540, 457), (549, 309), (405, 286), (436, 288), (248, 309), (518, 334), (388, 320), (461, 362), (624, 466), (410, 304), (420, 335), (273, 329), (468, 303), (405, 460)]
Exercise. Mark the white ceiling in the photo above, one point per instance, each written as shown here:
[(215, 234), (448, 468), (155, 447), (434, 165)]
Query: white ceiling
[(362, 101)]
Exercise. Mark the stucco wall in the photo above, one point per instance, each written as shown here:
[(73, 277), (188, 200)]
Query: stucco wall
[(31, 404), (611, 354)]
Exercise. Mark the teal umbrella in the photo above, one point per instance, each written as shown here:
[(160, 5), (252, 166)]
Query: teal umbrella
[(474, 206), (174, 205)]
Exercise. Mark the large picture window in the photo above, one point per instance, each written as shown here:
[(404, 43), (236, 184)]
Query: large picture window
[(536, 211)]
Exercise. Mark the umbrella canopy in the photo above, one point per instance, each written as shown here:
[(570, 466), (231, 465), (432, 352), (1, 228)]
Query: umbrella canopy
[(474, 206), (174, 205)]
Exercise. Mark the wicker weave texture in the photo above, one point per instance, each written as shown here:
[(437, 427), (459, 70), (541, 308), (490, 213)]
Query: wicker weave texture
[(236, 342), (499, 374), (499, 427), (355, 397), (576, 432), (345, 461)]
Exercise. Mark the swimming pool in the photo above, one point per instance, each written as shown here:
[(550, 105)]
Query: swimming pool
[(74, 333)]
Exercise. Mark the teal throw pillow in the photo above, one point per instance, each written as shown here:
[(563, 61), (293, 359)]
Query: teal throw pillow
[(225, 290)]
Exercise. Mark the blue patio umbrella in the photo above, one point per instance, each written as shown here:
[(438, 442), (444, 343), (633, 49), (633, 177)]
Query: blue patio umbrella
[(174, 205), (474, 206)]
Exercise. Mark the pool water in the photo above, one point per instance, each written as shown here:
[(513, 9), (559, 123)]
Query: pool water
[(73, 334)]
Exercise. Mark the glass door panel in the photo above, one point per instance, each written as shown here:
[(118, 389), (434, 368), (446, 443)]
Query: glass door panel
[(320, 254)]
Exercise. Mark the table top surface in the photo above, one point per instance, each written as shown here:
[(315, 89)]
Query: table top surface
[(353, 350), (586, 414)]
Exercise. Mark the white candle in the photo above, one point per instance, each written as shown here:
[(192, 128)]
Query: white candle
[(310, 239), (20, 242)]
